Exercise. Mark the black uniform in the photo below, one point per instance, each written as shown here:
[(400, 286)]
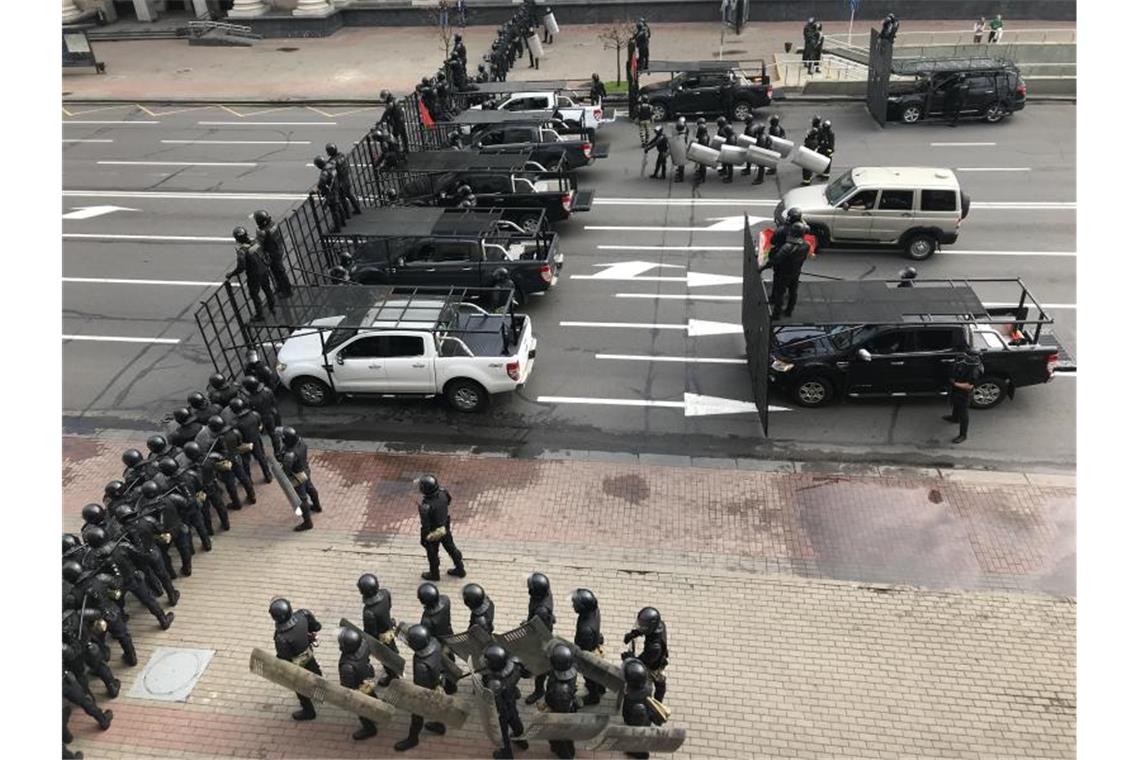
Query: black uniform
[(562, 697), (729, 135), (755, 130), (344, 183), (273, 245), (104, 592), (967, 369), (229, 467), (644, 121), (588, 637), (185, 433), (635, 710), (293, 641), (826, 147), (435, 529), (641, 39), (504, 684), (438, 622), (85, 653), (264, 402), (541, 607), (117, 559), (306, 489), (774, 130), (329, 191), (597, 91), (251, 262), (394, 118), (811, 142), (786, 261), (655, 655), (144, 532), (427, 665), (484, 615), (702, 139), (248, 425), (660, 142), (75, 692), (356, 672), (378, 623)]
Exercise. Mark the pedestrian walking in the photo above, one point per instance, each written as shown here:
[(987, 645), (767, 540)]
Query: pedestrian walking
[(997, 26), (979, 29), (964, 375)]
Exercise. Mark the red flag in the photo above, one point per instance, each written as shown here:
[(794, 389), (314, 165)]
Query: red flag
[(812, 243), (425, 117)]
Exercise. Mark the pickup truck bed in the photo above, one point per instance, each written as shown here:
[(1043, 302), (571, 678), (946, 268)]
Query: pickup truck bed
[(481, 333)]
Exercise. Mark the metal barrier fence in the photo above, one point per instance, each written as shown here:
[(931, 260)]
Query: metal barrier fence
[(757, 322), (792, 70), (879, 76), (1008, 37)]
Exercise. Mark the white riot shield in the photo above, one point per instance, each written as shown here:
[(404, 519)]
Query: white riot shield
[(806, 158), (763, 157), (731, 154), (781, 146), (550, 23), (535, 45), (716, 142), (677, 149), (702, 154), (745, 141)]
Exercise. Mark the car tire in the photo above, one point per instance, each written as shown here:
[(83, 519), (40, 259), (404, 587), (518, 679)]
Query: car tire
[(660, 111), (988, 393), (920, 246), (812, 391), (465, 395), (994, 113), (741, 111), (312, 392), (911, 114), (529, 223)]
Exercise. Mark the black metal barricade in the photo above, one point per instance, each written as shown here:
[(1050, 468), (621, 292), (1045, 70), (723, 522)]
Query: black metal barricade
[(880, 55), (755, 318)]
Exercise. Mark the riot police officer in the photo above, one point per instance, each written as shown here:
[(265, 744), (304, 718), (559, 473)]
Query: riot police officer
[(247, 423), (187, 430), (907, 277), (481, 74), (102, 592), (251, 263), (661, 142), (436, 618), (201, 409), (329, 191), (272, 244), (702, 138), (655, 650), (540, 604), (210, 490), (377, 617), (681, 134), (427, 665), (293, 637), (561, 694), (219, 438), (597, 90), (459, 50), (754, 128), (134, 471), (116, 558), (82, 625), (787, 262), (636, 709), (393, 118), (143, 532), (343, 177), (501, 675), (356, 672), (588, 636), (726, 131), (826, 145), (261, 399), (774, 130), (75, 692), (811, 142), (435, 529), (641, 39), (291, 442), (644, 118), (965, 373), (481, 606)]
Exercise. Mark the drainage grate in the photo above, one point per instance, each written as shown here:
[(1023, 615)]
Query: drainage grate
[(171, 674), (287, 49)]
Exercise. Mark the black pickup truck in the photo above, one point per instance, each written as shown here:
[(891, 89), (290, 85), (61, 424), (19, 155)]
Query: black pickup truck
[(875, 338), (706, 87), (550, 140), (446, 247)]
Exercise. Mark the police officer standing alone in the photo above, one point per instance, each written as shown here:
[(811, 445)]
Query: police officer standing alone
[(597, 90), (256, 270), (964, 375), (435, 529), (273, 246), (644, 119), (293, 637), (787, 262)]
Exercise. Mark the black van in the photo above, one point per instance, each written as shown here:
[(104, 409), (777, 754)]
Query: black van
[(996, 89)]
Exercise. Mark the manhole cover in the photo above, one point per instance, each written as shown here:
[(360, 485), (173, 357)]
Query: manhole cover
[(171, 674), (287, 49)]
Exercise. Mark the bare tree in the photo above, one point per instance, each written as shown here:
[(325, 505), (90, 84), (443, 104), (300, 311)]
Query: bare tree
[(443, 17), (614, 37)]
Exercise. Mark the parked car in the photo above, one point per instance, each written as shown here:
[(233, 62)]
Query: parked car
[(996, 90), (729, 92), (586, 116), (546, 145)]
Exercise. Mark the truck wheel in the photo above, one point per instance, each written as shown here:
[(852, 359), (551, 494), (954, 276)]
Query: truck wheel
[(741, 110), (812, 391), (312, 392), (920, 246), (465, 395), (912, 114), (529, 223), (660, 111), (988, 393)]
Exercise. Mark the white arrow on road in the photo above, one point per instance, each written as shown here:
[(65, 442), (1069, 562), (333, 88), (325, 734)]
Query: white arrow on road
[(90, 212), (694, 405), (695, 328), (635, 270), (728, 223)]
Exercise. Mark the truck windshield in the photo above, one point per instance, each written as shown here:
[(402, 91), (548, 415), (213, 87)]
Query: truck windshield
[(339, 335), (839, 188)]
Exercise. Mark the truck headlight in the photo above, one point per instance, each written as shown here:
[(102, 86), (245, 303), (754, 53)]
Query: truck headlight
[(781, 366), (281, 367)]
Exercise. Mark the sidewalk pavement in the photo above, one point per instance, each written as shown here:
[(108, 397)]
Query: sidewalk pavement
[(810, 615), (357, 62)]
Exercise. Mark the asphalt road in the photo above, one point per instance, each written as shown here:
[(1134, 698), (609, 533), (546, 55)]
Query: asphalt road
[(185, 180)]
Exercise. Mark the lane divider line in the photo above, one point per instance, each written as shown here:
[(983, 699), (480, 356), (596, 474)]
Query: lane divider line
[(120, 339), (114, 281)]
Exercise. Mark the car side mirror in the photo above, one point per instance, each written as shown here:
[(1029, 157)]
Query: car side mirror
[(340, 357), (863, 354), (845, 206)]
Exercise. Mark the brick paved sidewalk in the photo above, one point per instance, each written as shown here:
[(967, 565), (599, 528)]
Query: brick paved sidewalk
[(888, 617)]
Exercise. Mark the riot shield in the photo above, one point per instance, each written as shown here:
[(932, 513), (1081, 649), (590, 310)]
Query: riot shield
[(716, 141), (297, 679), (745, 141), (470, 644), (488, 713), (576, 727), (730, 154), (389, 659), (622, 738), (528, 642), (430, 703), (453, 671), (592, 666), (677, 149), (535, 45), (283, 481), (763, 156), (780, 145), (550, 23), (806, 158), (703, 154)]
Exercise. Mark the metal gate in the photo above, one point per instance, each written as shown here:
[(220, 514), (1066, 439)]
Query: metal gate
[(879, 57), (757, 322)]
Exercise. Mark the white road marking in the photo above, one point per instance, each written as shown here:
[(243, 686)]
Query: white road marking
[(90, 212), (183, 196), (633, 270), (660, 358), (677, 297), (993, 169), (175, 163), (121, 339), (955, 252), (655, 228), (76, 140), (85, 121), (695, 327), (155, 238), (236, 142), (1024, 205), (735, 248), (683, 202), (267, 123), (636, 325), (961, 144), (694, 404), (111, 281)]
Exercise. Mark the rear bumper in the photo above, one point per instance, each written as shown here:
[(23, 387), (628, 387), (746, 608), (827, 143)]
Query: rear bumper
[(948, 238)]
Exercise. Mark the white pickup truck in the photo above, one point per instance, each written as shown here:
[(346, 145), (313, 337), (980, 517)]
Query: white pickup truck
[(410, 346), (584, 116)]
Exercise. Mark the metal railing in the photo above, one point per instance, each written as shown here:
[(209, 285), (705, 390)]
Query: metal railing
[(792, 70), (1008, 37), (199, 28)]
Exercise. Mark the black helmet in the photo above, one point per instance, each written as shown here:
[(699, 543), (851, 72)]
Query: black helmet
[(156, 444), (237, 406), (217, 381), (495, 657), (349, 640), (500, 275), (634, 672), (721, 121), (114, 489), (94, 514), (908, 274), (250, 384), (751, 117), (701, 121), (192, 450), (459, 38), (94, 536), (241, 235), (643, 99), (561, 658), (262, 218), (418, 637), (648, 619), (132, 458), (289, 435), (167, 466), (124, 512), (815, 120), (70, 541), (799, 229), (216, 423), (584, 600), (463, 190), (481, 67), (72, 571), (330, 148), (150, 490), (280, 609), (182, 416), (473, 595), (680, 125), (428, 594), (774, 120), (428, 484), (793, 215), (368, 584), (538, 584), (319, 162), (385, 95), (197, 400)]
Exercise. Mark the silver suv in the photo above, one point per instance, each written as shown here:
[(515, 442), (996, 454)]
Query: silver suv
[(915, 208)]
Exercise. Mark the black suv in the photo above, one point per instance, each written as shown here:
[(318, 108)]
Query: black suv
[(727, 92), (996, 89)]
